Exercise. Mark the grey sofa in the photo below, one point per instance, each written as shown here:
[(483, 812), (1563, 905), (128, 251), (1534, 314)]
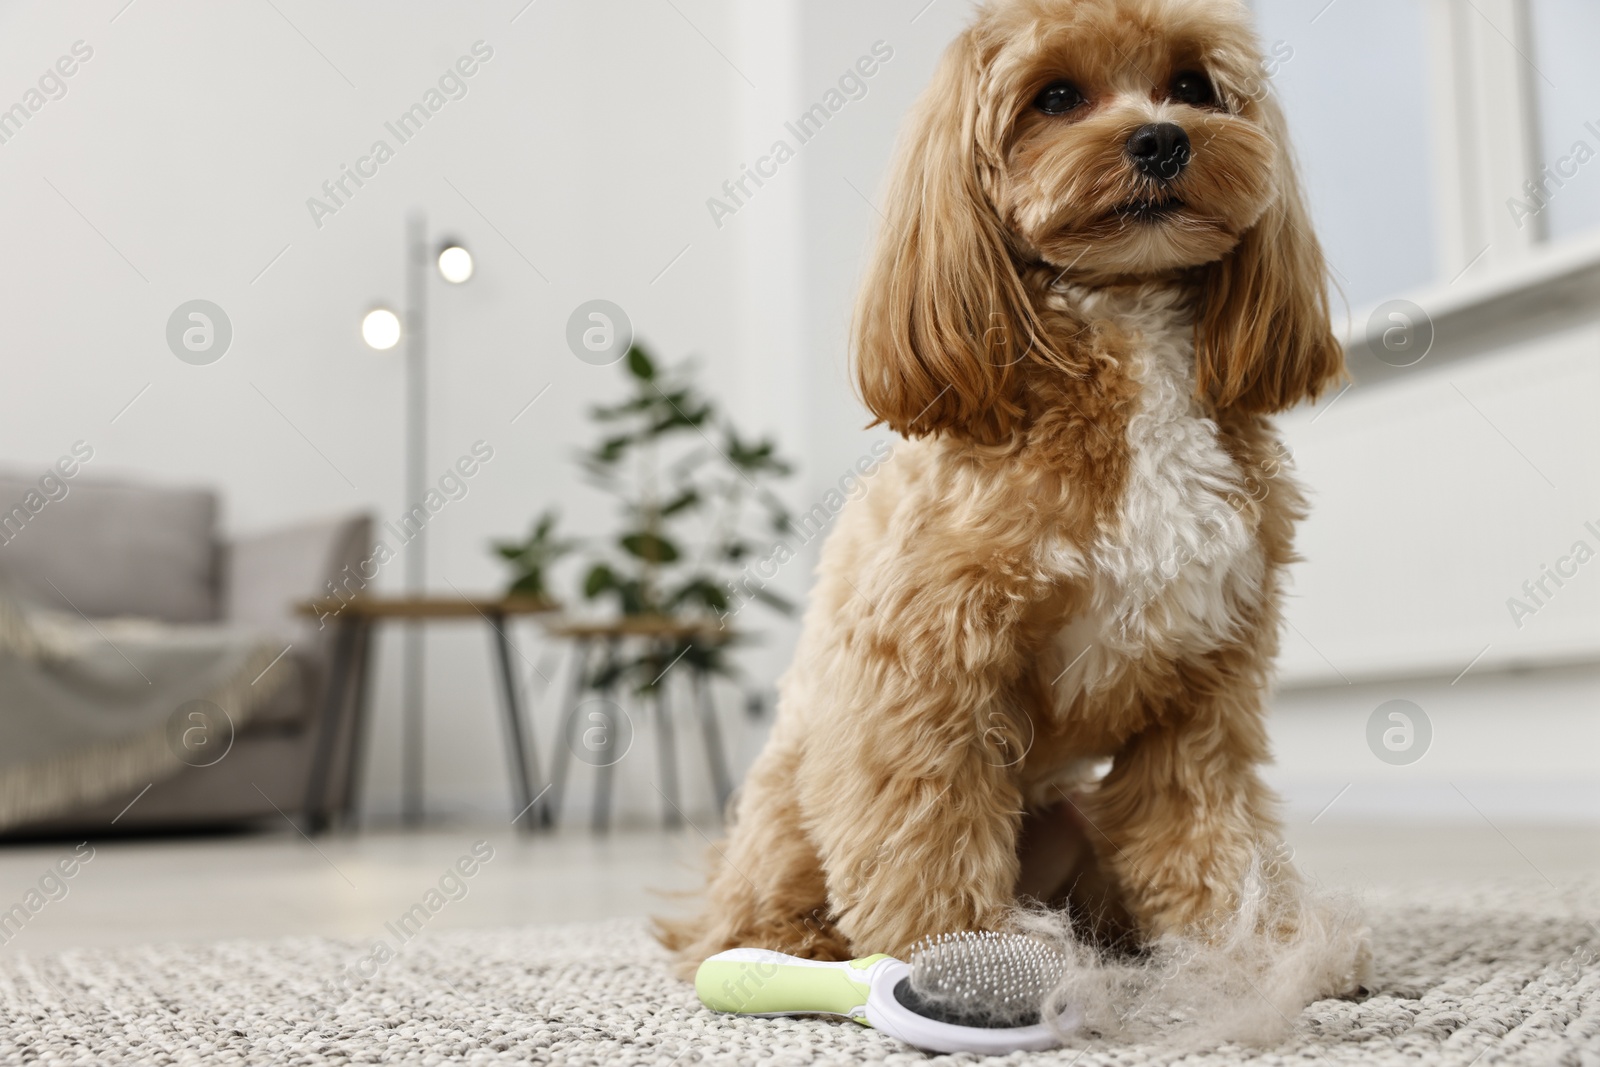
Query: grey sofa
[(117, 548)]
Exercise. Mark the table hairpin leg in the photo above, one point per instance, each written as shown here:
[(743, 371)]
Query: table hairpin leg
[(561, 754), (359, 729), (333, 707), (671, 813), (605, 731), (521, 748), (607, 741), (715, 756)]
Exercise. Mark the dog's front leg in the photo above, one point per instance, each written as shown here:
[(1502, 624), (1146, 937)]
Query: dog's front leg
[(915, 813), (917, 841), (1185, 824), (1183, 814)]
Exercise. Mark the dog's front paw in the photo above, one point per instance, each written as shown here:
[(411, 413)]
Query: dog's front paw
[(1359, 980), (1335, 946)]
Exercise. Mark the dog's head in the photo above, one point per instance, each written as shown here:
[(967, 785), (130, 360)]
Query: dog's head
[(1108, 140)]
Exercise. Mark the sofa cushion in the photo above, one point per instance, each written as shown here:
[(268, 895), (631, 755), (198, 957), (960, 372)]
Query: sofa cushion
[(106, 547)]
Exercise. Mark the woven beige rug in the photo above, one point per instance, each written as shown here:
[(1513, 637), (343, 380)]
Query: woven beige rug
[(1484, 976)]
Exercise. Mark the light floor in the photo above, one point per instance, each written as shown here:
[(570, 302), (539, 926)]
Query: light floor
[(349, 885)]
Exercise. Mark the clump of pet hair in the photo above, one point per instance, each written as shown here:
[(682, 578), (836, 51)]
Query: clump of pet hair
[(1243, 978)]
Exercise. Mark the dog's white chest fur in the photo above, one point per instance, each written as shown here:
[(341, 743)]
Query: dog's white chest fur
[(1169, 569)]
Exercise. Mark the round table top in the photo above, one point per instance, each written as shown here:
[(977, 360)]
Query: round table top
[(637, 626), (369, 608), (427, 607)]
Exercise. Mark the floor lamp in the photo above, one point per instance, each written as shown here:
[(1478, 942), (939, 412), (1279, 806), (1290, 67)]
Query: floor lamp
[(382, 329)]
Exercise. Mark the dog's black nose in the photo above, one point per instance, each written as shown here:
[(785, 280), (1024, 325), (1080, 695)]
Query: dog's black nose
[(1160, 149)]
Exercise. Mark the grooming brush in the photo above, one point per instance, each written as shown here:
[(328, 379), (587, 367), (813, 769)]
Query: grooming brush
[(965, 992)]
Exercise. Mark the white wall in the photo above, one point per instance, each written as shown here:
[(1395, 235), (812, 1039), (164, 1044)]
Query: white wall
[(1510, 746), (1426, 524)]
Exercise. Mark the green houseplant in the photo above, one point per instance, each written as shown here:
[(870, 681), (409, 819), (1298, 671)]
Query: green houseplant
[(695, 503), (532, 557)]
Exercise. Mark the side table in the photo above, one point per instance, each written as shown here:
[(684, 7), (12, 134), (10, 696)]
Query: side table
[(663, 634), (350, 668)]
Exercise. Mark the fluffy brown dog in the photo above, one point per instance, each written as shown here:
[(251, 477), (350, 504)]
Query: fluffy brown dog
[(1096, 281)]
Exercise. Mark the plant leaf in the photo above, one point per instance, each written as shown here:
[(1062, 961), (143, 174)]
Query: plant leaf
[(686, 499), (528, 585), (599, 580), (703, 590), (773, 601), (639, 364), (611, 449), (612, 412), (652, 548)]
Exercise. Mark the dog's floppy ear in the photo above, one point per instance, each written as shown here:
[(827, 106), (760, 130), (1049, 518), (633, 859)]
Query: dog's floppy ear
[(1263, 341), (943, 317)]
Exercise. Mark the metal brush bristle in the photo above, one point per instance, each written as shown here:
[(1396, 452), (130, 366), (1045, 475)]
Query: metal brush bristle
[(983, 979)]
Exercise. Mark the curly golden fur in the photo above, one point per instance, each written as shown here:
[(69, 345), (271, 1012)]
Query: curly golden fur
[(1078, 556)]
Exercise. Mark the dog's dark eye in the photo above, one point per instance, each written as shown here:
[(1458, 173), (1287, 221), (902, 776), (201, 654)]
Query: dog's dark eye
[(1192, 87), (1058, 98)]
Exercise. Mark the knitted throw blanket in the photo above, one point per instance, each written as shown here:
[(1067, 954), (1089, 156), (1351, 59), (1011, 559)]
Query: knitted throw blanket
[(89, 708)]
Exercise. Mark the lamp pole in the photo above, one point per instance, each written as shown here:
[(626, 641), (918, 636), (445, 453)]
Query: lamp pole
[(416, 573), (382, 329)]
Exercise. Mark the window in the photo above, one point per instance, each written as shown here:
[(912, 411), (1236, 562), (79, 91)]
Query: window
[(1355, 88), (1566, 86)]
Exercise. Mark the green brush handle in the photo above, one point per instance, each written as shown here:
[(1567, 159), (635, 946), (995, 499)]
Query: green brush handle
[(755, 981)]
